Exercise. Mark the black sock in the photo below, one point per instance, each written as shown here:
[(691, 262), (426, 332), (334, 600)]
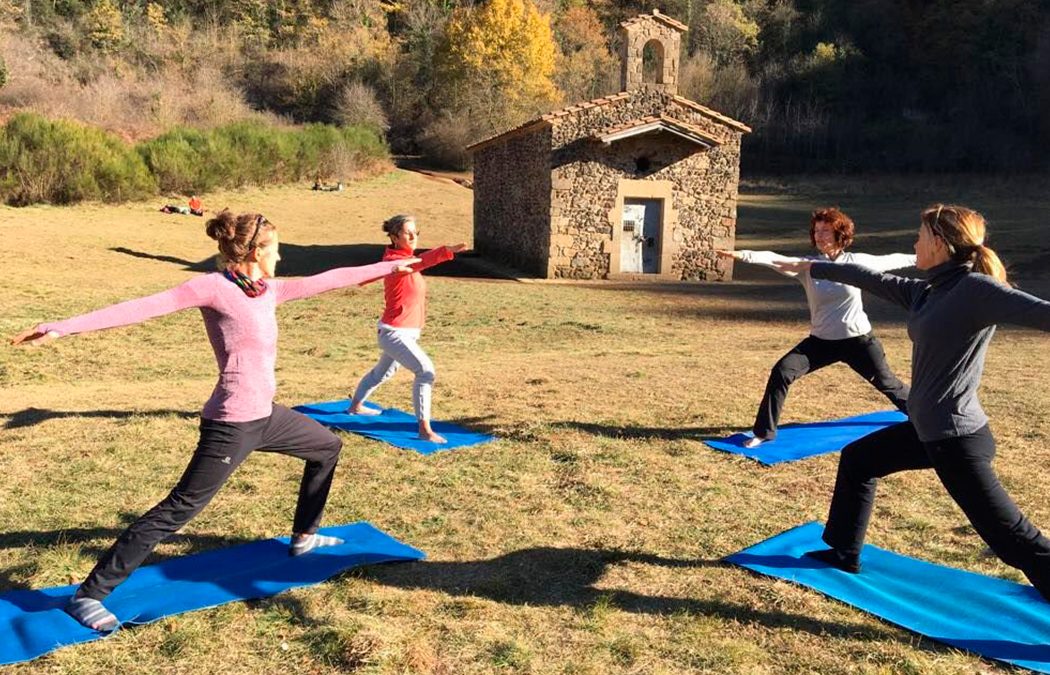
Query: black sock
[(844, 561)]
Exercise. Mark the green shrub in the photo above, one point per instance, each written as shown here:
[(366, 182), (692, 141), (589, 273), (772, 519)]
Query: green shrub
[(253, 153), (329, 151), (61, 162), (3, 73), (182, 160)]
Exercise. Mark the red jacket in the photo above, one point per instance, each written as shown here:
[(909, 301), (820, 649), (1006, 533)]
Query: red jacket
[(406, 294)]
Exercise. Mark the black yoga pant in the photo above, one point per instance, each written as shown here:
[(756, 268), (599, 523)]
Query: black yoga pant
[(221, 449), (964, 465), (864, 354)]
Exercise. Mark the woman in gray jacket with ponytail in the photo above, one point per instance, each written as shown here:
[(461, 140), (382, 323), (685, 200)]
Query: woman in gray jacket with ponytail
[(952, 316)]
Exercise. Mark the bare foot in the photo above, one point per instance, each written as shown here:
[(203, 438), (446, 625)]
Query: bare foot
[(432, 437), (360, 409)]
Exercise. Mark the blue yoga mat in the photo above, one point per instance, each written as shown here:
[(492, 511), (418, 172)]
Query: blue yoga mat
[(32, 623), (392, 426), (995, 618), (798, 441)]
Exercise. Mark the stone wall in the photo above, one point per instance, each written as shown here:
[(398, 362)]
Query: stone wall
[(634, 36), (512, 191), (585, 178)]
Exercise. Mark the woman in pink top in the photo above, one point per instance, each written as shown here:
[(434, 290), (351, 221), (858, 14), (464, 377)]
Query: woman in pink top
[(402, 324), (238, 305)]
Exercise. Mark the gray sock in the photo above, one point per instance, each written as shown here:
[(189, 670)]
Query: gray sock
[(310, 542), (92, 614)]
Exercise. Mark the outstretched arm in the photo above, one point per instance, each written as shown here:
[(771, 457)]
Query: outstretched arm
[(295, 289), (194, 293), (436, 256), (998, 303), (898, 290), (765, 258), (885, 263)]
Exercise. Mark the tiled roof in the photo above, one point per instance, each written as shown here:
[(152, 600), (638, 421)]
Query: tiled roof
[(714, 114), (662, 18), (548, 118)]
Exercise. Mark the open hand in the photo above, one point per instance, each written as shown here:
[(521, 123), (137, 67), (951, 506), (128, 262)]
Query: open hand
[(34, 337), (406, 266), (727, 254)]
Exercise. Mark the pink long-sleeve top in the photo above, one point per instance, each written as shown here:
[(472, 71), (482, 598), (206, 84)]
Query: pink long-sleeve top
[(242, 330), (406, 294)]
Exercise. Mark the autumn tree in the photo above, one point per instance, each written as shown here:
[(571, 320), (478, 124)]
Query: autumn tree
[(106, 26), (586, 69), (505, 47)]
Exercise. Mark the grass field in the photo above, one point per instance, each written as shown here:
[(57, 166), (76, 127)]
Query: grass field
[(587, 540)]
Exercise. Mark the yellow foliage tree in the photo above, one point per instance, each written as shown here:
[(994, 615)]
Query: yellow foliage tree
[(156, 19), (507, 44), (106, 26)]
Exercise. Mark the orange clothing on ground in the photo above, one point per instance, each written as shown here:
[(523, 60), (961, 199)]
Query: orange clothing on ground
[(406, 294)]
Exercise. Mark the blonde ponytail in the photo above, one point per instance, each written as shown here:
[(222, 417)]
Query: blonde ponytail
[(986, 261), (963, 231)]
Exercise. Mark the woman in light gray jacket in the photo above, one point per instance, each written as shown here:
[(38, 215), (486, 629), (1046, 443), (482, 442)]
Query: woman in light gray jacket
[(840, 331)]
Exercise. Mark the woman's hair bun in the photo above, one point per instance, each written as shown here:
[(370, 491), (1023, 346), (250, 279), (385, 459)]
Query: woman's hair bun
[(395, 224), (222, 226)]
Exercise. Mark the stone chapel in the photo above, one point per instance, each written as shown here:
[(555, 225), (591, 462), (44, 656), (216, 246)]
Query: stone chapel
[(639, 184)]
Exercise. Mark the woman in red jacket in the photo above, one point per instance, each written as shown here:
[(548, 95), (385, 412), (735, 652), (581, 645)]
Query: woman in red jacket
[(402, 324)]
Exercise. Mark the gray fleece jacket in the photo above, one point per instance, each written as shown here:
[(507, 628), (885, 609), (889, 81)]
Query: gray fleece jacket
[(951, 319)]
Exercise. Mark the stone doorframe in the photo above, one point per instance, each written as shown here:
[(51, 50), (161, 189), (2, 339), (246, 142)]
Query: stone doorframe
[(644, 189)]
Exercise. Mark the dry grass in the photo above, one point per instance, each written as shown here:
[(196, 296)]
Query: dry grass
[(133, 103), (587, 540)]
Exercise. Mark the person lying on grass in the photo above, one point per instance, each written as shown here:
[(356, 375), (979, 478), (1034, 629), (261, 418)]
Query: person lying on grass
[(952, 315), (239, 309)]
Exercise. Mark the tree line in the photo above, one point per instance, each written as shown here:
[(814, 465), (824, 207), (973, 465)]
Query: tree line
[(866, 85)]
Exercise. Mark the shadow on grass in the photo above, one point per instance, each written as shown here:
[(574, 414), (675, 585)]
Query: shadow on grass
[(664, 434), (33, 416), (550, 576), (94, 541), (299, 260)]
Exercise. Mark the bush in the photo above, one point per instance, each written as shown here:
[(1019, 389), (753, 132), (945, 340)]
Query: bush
[(183, 161), (3, 72), (63, 162), (444, 141), (253, 153), (358, 105)]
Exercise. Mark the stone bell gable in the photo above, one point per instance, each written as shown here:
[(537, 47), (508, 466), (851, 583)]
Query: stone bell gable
[(664, 35), (638, 184)]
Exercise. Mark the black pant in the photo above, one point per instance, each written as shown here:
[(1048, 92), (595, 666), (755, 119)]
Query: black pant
[(221, 449), (964, 465), (864, 354)]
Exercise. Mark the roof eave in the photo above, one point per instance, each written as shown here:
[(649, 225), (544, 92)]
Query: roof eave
[(689, 135), (508, 135)]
